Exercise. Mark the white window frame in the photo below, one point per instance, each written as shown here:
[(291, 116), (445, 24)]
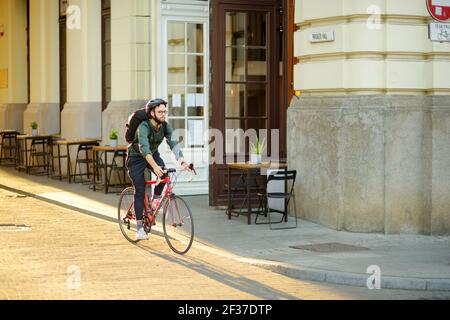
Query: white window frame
[(194, 16)]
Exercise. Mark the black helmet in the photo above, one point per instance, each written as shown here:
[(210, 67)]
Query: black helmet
[(152, 104)]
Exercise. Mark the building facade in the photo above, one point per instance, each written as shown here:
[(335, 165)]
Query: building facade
[(369, 135)]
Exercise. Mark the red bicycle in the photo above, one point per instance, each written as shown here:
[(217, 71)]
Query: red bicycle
[(177, 221)]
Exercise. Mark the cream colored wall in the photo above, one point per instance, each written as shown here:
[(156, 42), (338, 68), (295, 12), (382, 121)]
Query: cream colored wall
[(84, 54), (4, 44), (18, 57), (13, 57), (44, 51), (130, 46), (82, 114), (396, 58)]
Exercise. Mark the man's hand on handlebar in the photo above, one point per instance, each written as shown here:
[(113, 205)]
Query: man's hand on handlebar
[(158, 171), (186, 167)]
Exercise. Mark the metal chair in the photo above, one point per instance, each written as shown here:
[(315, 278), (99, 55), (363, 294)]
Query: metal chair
[(8, 145), (239, 187), (41, 150), (288, 177), (115, 167), (87, 161)]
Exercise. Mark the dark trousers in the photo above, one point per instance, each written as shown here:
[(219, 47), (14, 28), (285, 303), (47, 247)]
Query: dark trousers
[(136, 169)]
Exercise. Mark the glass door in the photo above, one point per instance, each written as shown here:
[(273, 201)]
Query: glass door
[(185, 84), (186, 81), (246, 75), (246, 66)]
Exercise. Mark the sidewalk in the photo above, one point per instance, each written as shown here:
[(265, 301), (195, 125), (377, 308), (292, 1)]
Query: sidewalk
[(405, 261)]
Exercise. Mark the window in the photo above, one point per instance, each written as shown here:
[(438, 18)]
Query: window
[(246, 75), (186, 81)]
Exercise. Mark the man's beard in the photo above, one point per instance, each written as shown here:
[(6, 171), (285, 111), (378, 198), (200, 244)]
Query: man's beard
[(158, 121)]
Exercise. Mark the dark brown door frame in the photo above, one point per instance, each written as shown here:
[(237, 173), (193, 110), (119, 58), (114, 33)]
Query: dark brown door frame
[(106, 83), (62, 59), (28, 54), (276, 116)]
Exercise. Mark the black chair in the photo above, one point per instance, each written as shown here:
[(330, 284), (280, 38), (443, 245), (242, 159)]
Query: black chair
[(288, 177), (239, 187), (118, 169), (8, 144), (86, 161), (99, 179), (41, 155)]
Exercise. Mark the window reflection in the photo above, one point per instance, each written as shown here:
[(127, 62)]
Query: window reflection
[(194, 38), (246, 64), (235, 29), (195, 70), (235, 100), (176, 68), (196, 102), (175, 37), (235, 64), (176, 101)]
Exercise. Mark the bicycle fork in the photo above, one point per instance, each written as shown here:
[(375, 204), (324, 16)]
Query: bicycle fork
[(180, 219)]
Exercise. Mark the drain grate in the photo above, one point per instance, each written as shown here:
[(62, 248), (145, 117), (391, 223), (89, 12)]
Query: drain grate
[(329, 247), (14, 228)]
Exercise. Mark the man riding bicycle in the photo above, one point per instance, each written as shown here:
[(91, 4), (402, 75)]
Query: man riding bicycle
[(143, 153)]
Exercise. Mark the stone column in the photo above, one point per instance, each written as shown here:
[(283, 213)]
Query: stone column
[(130, 50), (44, 68), (81, 116), (369, 136), (13, 58)]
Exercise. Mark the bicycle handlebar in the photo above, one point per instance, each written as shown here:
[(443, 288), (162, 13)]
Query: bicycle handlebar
[(172, 170)]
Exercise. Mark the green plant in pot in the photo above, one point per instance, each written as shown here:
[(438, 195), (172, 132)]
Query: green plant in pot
[(256, 151), (34, 128), (113, 138)]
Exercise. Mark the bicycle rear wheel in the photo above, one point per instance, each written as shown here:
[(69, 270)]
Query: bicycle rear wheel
[(126, 216), (178, 225)]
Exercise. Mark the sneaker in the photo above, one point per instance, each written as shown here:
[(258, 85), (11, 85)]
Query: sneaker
[(141, 234)]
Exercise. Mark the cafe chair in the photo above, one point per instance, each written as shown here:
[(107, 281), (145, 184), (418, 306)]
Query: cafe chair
[(86, 161), (40, 155), (99, 178), (119, 169), (287, 178), (8, 147)]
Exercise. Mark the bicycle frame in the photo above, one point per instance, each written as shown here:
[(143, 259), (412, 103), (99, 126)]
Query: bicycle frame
[(168, 191), (177, 222)]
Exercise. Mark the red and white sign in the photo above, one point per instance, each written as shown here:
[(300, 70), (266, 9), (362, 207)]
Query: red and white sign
[(439, 9)]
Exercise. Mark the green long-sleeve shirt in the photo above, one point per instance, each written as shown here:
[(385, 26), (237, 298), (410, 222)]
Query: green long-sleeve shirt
[(149, 139)]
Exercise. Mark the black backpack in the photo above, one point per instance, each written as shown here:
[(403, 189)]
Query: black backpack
[(134, 120)]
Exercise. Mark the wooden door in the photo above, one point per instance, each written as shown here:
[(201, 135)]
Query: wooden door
[(246, 51)]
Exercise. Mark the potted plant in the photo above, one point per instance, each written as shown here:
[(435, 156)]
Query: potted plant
[(34, 128), (113, 138), (256, 151)]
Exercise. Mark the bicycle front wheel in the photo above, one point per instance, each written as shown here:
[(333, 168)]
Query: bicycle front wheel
[(178, 225), (126, 216)]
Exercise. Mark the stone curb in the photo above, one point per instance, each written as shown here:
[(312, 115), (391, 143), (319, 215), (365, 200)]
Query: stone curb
[(353, 279), (297, 272)]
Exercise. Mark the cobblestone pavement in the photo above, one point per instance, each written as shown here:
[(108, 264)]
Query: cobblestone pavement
[(68, 255)]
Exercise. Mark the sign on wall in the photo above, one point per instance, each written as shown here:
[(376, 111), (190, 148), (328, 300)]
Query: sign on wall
[(439, 32), (439, 9), (321, 36)]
